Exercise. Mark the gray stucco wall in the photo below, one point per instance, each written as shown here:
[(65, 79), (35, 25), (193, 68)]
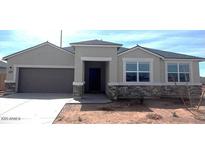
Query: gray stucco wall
[(45, 55)]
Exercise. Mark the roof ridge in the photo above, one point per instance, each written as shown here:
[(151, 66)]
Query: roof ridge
[(95, 42)]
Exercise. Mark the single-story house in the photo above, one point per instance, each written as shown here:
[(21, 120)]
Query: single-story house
[(98, 66)]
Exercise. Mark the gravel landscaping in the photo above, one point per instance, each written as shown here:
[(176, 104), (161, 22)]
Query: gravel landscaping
[(158, 111)]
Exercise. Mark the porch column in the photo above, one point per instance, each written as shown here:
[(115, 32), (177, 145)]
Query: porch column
[(111, 89), (78, 84)]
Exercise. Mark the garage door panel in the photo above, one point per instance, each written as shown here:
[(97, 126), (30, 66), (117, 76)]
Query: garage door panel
[(46, 80)]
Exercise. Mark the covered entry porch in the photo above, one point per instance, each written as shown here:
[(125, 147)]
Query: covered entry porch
[(94, 76)]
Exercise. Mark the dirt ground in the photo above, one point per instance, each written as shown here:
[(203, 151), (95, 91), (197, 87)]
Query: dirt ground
[(159, 111)]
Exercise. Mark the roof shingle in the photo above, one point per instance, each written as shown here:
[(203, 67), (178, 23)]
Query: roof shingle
[(170, 55)]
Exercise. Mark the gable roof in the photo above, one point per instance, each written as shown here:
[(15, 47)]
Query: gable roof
[(164, 54), (96, 43), (37, 46), (3, 64)]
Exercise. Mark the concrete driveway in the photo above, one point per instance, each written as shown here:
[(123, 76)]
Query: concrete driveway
[(27, 108)]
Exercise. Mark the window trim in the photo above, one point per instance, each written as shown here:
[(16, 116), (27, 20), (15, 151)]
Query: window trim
[(178, 63), (138, 60)]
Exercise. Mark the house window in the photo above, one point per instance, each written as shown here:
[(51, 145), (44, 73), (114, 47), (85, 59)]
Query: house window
[(184, 73), (172, 73), (178, 72), (144, 74), (131, 72), (137, 72)]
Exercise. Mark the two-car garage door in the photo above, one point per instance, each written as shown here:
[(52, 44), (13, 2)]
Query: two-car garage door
[(45, 80)]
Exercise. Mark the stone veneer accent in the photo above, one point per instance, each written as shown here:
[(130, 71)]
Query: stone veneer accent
[(78, 91), (10, 87), (168, 91), (112, 92)]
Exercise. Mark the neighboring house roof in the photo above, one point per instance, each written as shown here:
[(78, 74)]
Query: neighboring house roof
[(70, 49), (37, 46), (3, 64), (121, 49), (164, 54), (96, 42)]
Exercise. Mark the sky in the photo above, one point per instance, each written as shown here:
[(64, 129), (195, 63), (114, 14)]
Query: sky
[(191, 42)]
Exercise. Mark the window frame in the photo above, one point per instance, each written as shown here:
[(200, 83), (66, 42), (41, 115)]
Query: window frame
[(178, 71), (138, 61)]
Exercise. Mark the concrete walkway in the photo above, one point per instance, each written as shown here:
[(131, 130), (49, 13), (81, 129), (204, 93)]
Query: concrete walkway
[(26, 108)]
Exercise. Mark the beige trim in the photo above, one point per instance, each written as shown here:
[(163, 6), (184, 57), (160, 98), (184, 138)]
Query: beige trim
[(9, 81), (37, 46), (78, 83), (148, 84), (96, 58)]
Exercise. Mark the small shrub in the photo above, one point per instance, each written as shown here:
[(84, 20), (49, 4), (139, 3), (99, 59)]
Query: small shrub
[(141, 100), (80, 119), (60, 118), (154, 116), (174, 114)]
